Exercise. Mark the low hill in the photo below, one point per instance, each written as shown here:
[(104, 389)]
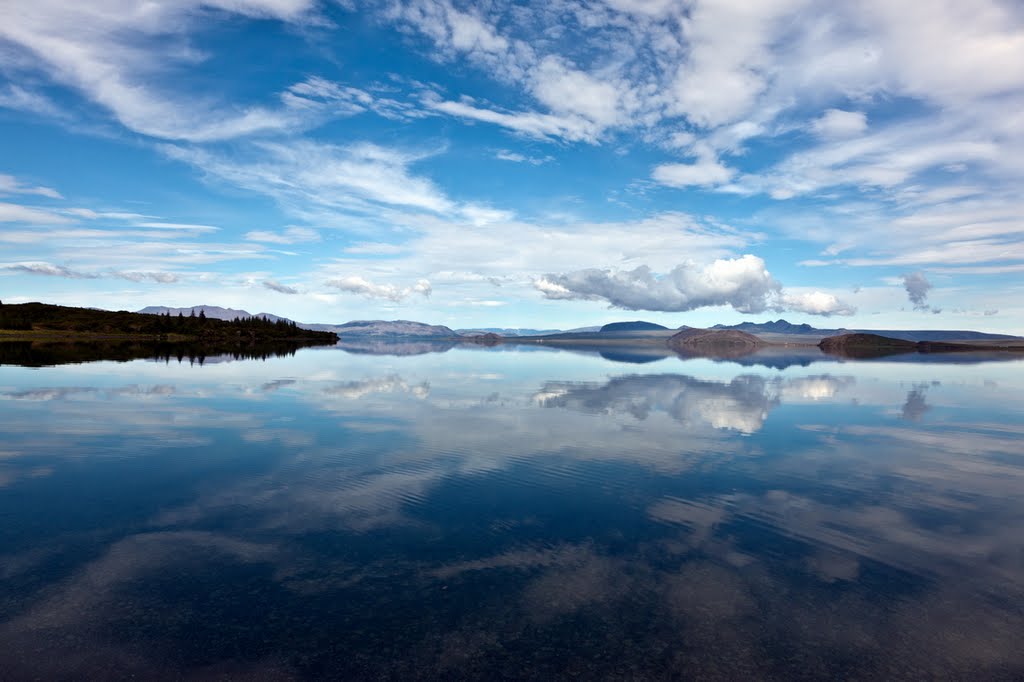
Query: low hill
[(396, 328), (714, 342), (874, 345), (636, 326), (860, 341)]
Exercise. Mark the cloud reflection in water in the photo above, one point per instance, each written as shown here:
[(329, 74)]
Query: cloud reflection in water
[(476, 514)]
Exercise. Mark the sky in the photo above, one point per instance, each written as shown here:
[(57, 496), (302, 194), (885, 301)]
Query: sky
[(500, 164)]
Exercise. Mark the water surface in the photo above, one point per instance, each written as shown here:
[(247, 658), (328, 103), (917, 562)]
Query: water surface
[(519, 513)]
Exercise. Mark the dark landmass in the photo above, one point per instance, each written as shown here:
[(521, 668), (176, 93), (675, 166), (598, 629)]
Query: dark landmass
[(865, 345), (615, 333), (637, 326), (715, 342), (782, 327), (41, 321), (862, 345), (489, 339)]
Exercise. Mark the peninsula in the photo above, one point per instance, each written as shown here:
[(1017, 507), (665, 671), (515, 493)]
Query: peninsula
[(41, 321)]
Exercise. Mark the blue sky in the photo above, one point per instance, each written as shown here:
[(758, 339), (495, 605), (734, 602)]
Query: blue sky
[(514, 164)]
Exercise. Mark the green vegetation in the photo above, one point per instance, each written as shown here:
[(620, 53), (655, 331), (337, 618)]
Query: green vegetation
[(40, 320)]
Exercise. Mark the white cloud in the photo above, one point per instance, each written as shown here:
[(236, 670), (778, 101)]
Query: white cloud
[(455, 32), (111, 51), (743, 283), (705, 172), (51, 270), (188, 227), (18, 98), (483, 215), (355, 284), (886, 159), (532, 124), (16, 213), (291, 235), (374, 249), (816, 303), (838, 123), (11, 185), (653, 8), (516, 157), (569, 91), (347, 177)]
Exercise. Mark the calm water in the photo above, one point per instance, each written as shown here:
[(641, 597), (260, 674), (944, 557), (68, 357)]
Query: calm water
[(522, 514)]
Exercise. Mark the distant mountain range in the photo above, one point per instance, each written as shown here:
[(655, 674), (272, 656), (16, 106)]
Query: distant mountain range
[(386, 328), (522, 331), (784, 327), (212, 311), (404, 328), (636, 328), (777, 327)]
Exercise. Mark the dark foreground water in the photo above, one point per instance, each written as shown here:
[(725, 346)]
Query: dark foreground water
[(512, 514)]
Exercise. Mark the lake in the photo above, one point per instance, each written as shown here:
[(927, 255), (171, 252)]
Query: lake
[(513, 513)]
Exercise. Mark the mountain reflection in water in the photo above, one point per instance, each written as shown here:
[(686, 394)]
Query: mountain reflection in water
[(535, 514)]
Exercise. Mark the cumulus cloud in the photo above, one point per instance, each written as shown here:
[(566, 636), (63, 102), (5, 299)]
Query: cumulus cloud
[(567, 90), (917, 286), (278, 287), (358, 285), (743, 283), (816, 303)]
